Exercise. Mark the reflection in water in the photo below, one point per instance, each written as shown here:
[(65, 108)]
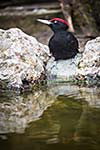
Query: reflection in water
[(72, 122), (16, 111)]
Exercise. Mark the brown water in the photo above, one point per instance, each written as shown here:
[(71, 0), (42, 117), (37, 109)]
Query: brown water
[(58, 117)]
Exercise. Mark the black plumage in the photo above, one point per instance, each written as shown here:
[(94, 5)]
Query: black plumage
[(63, 44)]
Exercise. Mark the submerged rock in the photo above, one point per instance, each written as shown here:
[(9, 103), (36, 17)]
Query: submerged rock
[(89, 65), (22, 58)]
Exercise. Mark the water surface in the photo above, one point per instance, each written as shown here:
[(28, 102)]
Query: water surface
[(58, 117)]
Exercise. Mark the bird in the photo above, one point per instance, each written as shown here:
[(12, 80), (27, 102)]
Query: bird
[(63, 44)]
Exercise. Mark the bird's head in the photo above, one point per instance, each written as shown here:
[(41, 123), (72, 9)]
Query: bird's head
[(56, 24)]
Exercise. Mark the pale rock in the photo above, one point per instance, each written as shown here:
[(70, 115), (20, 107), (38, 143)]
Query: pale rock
[(89, 65), (21, 56), (62, 70)]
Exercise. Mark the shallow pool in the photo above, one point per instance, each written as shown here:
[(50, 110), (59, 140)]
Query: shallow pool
[(57, 117)]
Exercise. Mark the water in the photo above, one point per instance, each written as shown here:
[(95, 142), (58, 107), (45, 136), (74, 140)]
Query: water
[(58, 117)]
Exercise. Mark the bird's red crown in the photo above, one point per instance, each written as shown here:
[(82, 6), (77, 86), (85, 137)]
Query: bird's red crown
[(60, 20)]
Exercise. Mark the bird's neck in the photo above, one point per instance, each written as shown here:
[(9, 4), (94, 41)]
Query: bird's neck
[(59, 31)]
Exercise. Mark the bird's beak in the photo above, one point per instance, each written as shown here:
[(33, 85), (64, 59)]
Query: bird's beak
[(44, 21)]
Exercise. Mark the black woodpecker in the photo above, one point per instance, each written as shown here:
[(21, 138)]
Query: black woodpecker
[(63, 44)]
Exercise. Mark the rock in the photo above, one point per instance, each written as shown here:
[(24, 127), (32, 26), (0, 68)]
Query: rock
[(22, 57), (89, 65), (62, 70)]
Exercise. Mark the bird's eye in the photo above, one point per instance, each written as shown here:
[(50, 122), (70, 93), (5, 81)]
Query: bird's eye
[(55, 21)]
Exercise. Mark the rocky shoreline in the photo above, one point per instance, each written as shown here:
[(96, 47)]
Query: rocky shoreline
[(24, 61)]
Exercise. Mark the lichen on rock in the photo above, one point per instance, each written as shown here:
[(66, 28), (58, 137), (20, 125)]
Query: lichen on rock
[(89, 65), (21, 57)]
